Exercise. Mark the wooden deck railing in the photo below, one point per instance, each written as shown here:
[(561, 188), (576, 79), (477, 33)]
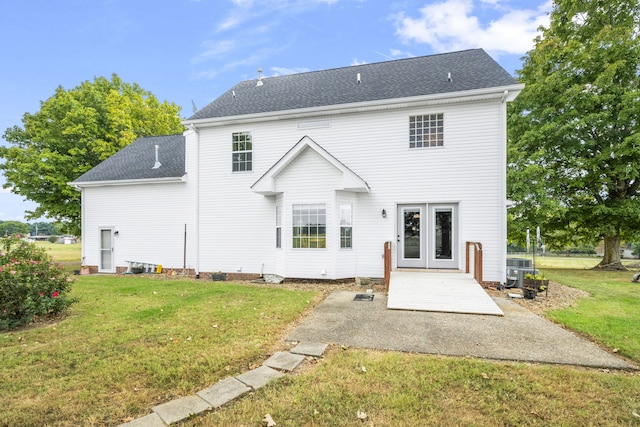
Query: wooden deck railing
[(474, 260)]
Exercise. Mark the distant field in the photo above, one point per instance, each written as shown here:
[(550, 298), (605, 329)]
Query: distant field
[(554, 261), (69, 256)]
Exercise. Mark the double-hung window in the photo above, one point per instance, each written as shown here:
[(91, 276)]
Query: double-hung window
[(241, 152), (346, 226), (309, 226), (426, 130), (278, 226)]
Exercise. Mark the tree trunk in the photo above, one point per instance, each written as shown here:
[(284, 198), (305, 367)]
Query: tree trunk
[(611, 258)]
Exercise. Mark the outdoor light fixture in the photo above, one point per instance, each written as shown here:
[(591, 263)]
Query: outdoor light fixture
[(116, 233), (384, 213)]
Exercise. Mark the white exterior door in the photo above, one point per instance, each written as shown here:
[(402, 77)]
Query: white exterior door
[(411, 238), (443, 242), (106, 250)]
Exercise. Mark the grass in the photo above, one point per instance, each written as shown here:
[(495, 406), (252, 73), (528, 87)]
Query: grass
[(611, 315), (133, 342), (401, 389)]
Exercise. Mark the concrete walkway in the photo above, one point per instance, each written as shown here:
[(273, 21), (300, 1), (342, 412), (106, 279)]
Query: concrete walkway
[(228, 389), (519, 335)]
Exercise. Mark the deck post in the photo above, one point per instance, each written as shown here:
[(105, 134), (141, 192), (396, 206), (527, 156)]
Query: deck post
[(387, 265)]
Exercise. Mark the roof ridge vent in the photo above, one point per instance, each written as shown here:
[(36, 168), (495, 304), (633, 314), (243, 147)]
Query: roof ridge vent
[(157, 164), (259, 83)]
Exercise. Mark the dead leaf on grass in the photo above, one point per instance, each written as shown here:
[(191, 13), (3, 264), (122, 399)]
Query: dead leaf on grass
[(635, 414), (269, 420), (361, 415), (485, 376)]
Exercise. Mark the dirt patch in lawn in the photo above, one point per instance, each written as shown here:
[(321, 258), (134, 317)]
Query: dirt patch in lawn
[(557, 297)]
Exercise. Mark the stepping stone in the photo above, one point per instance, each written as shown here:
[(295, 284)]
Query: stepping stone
[(284, 361), (151, 420), (258, 377), (315, 349), (181, 409), (223, 391)]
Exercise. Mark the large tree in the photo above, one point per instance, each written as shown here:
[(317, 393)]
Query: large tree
[(574, 154), (73, 131)]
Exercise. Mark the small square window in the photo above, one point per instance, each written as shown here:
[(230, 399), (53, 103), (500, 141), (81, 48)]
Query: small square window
[(426, 131)]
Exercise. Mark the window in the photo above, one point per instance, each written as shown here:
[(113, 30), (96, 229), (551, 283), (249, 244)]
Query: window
[(310, 226), (278, 226), (426, 131), (346, 239), (241, 155)]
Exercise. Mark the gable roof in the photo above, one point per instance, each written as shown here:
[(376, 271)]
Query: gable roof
[(419, 76), (265, 185), (136, 162)]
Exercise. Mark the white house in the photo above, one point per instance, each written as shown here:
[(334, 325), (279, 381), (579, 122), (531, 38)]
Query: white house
[(307, 175)]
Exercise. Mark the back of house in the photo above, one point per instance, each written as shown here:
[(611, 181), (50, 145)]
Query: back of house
[(308, 175)]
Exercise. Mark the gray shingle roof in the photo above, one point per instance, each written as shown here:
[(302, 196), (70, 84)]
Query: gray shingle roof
[(136, 161), (425, 75)]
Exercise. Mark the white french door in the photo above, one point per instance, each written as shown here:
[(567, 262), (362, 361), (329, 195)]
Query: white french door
[(427, 236)]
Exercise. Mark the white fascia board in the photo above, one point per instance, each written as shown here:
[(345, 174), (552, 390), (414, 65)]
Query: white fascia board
[(475, 95), (170, 179)]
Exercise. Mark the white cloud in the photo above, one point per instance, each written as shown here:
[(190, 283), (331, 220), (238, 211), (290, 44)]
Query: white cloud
[(455, 25)]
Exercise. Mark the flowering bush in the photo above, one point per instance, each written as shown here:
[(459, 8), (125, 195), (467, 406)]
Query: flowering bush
[(31, 284)]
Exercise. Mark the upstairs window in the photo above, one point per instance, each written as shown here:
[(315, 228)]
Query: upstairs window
[(310, 226), (241, 154), (426, 131)]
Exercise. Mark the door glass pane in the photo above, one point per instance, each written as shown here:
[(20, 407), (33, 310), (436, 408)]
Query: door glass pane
[(412, 234), (105, 249), (444, 234)]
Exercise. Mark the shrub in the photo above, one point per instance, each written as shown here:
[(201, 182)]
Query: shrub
[(31, 283)]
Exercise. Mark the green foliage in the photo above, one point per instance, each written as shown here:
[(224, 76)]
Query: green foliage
[(44, 228), (574, 140), (13, 227), (31, 284), (73, 131)]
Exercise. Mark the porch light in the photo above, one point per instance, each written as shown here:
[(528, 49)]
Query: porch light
[(384, 213)]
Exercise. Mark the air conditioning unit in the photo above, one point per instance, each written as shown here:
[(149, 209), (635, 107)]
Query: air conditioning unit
[(518, 262), (515, 276)]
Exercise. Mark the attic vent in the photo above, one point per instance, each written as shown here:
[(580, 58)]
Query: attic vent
[(157, 164), (259, 83)]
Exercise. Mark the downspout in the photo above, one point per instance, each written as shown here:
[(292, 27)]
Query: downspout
[(197, 200), (503, 189)]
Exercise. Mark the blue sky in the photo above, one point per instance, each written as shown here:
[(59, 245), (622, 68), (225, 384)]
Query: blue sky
[(191, 51)]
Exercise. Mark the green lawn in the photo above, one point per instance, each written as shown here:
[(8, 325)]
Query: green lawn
[(611, 315), (134, 342)]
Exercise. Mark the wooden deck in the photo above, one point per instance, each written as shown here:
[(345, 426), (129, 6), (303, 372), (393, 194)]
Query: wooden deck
[(451, 292)]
